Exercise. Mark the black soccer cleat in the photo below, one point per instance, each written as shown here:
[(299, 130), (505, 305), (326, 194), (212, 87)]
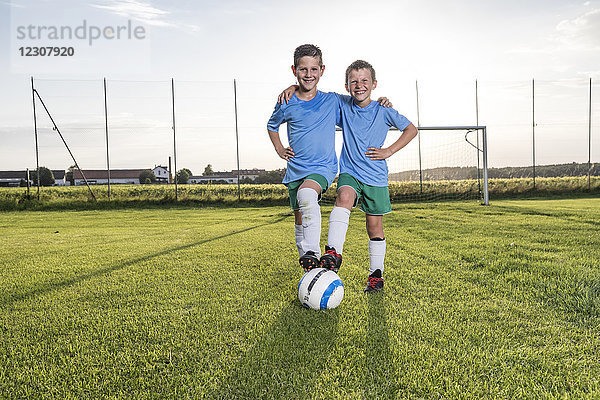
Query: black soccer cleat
[(309, 261), (375, 282), (331, 260)]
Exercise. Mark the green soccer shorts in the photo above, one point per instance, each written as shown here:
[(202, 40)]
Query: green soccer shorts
[(293, 188), (375, 199)]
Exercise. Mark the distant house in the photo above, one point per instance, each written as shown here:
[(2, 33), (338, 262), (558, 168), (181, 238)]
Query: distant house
[(119, 176), (162, 174), (100, 176), (60, 178), (251, 174), (14, 178), (217, 177), (229, 177)]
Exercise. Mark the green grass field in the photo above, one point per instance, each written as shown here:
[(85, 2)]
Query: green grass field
[(480, 302)]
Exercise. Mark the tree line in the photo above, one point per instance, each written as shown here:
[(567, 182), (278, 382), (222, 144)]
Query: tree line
[(460, 173)]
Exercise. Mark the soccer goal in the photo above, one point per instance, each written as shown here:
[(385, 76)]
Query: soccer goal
[(441, 163)]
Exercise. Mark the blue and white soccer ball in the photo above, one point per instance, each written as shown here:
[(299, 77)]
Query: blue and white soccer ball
[(320, 289)]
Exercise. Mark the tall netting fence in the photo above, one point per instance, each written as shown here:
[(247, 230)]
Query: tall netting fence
[(77, 108), (256, 102), (542, 134), (205, 127), (505, 108), (561, 118), (139, 124), (216, 131)]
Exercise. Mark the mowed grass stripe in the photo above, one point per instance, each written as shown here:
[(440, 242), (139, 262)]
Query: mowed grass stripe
[(496, 301)]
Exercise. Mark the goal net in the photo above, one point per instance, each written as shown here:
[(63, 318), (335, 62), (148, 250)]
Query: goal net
[(441, 163)]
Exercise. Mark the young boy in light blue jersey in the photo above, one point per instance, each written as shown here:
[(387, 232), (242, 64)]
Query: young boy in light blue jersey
[(363, 169), (311, 117)]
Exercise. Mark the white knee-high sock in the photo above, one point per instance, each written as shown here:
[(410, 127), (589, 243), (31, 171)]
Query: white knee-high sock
[(338, 226), (311, 220), (376, 255), (299, 232)]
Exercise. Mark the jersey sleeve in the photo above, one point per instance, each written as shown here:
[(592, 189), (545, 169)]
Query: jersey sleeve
[(338, 112), (394, 118), (342, 101), (277, 118)]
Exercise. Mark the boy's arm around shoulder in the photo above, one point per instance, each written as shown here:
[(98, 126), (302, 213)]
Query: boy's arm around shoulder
[(383, 101), (286, 95)]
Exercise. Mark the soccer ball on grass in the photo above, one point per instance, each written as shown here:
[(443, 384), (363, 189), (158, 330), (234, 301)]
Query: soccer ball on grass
[(320, 289)]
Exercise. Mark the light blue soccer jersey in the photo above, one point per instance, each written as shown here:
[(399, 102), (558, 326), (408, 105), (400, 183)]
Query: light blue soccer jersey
[(311, 134), (363, 128)]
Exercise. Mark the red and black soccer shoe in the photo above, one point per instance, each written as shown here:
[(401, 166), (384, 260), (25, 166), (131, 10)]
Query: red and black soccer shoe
[(331, 260), (374, 282)]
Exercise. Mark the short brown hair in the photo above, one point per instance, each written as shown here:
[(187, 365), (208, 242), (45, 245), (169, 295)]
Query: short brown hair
[(307, 50), (360, 64)]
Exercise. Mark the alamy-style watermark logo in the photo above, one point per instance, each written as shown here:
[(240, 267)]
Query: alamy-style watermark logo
[(84, 31), (84, 40)]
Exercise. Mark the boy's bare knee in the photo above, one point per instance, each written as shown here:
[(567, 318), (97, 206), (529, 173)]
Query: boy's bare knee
[(312, 185), (345, 198)]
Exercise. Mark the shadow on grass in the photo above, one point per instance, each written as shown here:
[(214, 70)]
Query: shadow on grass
[(380, 380), (288, 359), (535, 212), (9, 298)]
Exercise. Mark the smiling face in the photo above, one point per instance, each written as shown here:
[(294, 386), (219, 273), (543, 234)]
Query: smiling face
[(308, 72), (359, 85)]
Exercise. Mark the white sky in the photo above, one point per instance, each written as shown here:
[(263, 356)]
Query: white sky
[(204, 45)]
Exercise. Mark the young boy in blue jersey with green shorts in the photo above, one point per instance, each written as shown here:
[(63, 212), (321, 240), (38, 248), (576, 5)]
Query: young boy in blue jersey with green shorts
[(311, 117), (363, 169)]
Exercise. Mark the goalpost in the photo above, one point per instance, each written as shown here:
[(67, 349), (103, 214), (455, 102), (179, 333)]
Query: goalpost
[(483, 150), (441, 163)]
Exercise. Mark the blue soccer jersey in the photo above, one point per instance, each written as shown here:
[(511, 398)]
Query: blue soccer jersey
[(363, 128), (311, 134)]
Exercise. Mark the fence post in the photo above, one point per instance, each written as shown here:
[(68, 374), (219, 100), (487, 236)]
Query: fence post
[(37, 151), (237, 141), (533, 126), (174, 142), (477, 124), (106, 131), (590, 140), (27, 176), (419, 138)]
